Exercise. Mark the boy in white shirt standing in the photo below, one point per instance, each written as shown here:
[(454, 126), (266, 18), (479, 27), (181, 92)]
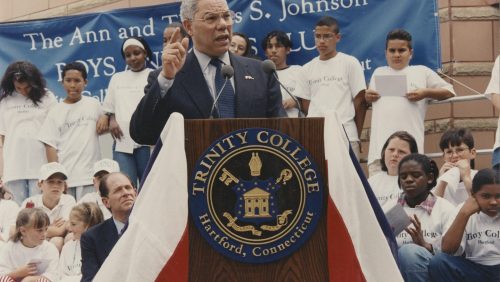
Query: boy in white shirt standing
[(277, 46), (406, 112), (334, 80), (493, 93), (70, 131)]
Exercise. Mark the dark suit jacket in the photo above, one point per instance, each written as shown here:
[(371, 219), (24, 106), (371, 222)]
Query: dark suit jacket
[(258, 95), (96, 244)]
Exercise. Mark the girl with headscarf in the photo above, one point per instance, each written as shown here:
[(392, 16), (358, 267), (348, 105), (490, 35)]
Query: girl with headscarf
[(125, 90)]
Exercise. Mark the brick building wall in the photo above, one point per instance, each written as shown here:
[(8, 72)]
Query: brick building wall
[(470, 41)]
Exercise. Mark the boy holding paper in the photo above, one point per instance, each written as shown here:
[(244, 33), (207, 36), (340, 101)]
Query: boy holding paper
[(407, 90)]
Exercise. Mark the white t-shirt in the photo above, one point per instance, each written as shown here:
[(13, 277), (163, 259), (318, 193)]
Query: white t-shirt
[(71, 129), (15, 255), (61, 210), (391, 114), (455, 191), (481, 241), (332, 85), (494, 87), (433, 225), (70, 261), (94, 197), (125, 91), (20, 122), (8, 215), (385, 187), (293, 80)]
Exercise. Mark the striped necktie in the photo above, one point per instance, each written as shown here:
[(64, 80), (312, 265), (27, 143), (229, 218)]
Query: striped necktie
[(225, 104)]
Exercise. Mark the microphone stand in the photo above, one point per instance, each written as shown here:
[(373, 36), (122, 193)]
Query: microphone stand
[(217, 99), (301, 114)]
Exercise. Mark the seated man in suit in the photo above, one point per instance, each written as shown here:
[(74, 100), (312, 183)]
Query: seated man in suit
[(118, 195), (189, 83)]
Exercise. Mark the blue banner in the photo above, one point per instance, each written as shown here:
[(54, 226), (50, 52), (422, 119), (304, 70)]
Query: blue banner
[(95, 39)]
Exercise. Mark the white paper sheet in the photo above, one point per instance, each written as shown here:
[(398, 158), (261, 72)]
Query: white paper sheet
[(391, 85), (41, 264), (398, 219)]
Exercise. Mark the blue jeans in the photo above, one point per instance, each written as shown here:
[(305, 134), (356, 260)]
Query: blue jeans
[(22, 189), (133, 164), (444, 267), (79, 191), (413, 262), (495, 159)]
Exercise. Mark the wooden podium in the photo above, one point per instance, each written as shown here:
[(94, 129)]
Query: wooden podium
[(309, 262)]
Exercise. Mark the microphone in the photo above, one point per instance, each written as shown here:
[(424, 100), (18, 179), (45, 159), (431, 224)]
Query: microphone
[(227, 72), (269, 67)]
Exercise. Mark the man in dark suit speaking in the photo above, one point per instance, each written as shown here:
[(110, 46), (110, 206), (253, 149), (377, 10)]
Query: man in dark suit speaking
[(189, 83)]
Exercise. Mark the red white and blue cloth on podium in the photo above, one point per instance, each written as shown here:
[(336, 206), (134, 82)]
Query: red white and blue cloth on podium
[(156, 241), (361, 245), (155, 246)]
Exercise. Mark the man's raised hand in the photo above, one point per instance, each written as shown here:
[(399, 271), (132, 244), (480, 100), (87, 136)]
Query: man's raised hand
[(174, 54)]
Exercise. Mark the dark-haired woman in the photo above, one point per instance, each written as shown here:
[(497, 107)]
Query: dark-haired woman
[(24, 104), (240, 44), (125, 90)]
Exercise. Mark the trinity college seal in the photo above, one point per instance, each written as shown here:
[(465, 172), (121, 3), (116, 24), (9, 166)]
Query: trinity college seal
[(256, 195)]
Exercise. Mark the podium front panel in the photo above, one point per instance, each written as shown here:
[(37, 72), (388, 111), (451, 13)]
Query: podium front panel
[(309, 262)]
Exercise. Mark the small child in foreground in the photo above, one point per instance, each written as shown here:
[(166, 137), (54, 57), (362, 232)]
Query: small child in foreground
[(28, 256)]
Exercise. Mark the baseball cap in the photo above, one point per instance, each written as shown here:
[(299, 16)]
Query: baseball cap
[(47, 170), (106, 165)]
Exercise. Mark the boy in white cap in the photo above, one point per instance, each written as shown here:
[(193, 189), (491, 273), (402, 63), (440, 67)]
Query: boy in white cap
[(101, 168), (52, 182)]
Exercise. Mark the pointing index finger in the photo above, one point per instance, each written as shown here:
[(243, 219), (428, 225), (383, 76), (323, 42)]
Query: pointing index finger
[(176, 36)]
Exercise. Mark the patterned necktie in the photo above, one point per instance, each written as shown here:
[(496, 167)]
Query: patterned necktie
[(225, 104), (123, 230)]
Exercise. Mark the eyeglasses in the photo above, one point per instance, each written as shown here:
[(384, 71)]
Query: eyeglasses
[(325, 36), (213, 18), (458, 150)]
